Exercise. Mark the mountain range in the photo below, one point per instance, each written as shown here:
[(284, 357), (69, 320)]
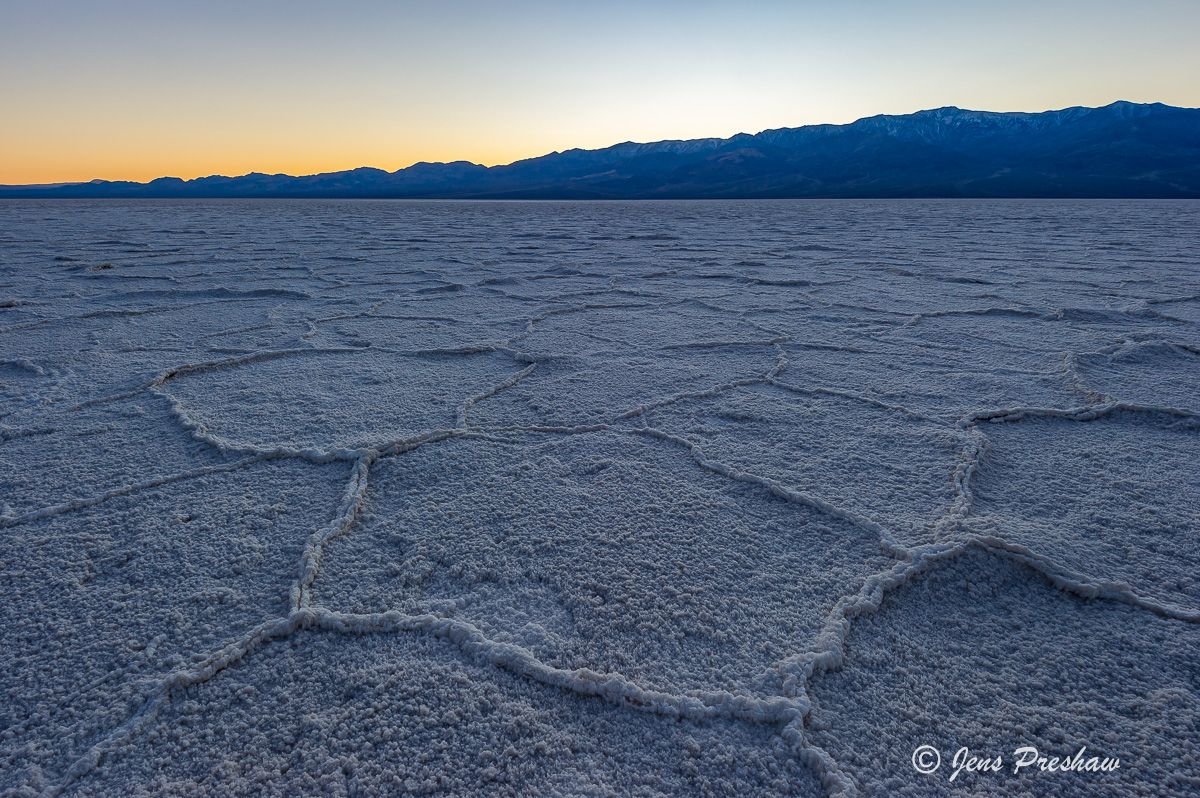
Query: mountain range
[(1120, 150)]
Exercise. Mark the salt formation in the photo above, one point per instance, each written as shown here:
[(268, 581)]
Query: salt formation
[(573, 499)]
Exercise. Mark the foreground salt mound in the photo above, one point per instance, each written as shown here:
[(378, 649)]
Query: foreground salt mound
[(985, 653), (104, 600), (885, 463), (330, 714), (611, 551), (1114, 498)]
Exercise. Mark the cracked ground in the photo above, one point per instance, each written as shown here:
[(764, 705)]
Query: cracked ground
[(697, 498)]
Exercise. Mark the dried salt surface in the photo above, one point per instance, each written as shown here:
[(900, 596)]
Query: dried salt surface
[(1183, 308), (1116, 497), (598, 389), (389, 715), (983, 652), (880, 461), (607, 551), (638, 498), (1144, 371), (602, 359), (126, 442), (21, 381), (947, 367), (103, 601), (331, 399)]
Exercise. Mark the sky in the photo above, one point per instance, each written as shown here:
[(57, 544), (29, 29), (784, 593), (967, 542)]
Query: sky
[(138, 90)]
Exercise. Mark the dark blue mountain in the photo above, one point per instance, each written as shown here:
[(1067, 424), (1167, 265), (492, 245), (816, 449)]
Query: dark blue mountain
[(1120, 150)]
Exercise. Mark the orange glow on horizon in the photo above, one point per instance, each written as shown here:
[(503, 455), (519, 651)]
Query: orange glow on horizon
[(125, 90), (138, 168)]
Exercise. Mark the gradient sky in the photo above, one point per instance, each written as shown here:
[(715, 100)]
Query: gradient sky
[(137, 90)]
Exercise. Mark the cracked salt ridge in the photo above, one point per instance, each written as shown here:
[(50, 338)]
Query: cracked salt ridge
[(358, 578), (1148, 371), (132, 443), (834, 778), (1086, 530), (1013, 663), (135, 595), (380, 404), (432, 719), (893, 466), (298, 619)]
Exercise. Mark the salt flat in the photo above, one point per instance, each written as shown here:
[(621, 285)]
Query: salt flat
[(678, 498)]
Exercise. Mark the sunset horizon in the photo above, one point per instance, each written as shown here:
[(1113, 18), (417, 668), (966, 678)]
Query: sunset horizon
[(504, 161), (136, 91)]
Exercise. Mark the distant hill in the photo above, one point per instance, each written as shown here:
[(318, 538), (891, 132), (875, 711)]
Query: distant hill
[(1120, 150)]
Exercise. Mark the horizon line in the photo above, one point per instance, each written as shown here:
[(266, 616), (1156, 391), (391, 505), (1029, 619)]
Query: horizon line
[(60, 184)]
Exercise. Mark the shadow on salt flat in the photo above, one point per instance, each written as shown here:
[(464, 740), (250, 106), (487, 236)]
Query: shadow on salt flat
[(101, 602), (1113, 499), (983, 652), (611, 551)]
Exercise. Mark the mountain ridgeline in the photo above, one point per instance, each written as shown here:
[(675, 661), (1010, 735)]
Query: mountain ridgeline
[(1120, 150)]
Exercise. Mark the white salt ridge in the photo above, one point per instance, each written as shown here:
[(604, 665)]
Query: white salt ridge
[(609, 499)]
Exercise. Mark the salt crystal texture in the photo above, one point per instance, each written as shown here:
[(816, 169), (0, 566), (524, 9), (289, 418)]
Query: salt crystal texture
[(696, 498)]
